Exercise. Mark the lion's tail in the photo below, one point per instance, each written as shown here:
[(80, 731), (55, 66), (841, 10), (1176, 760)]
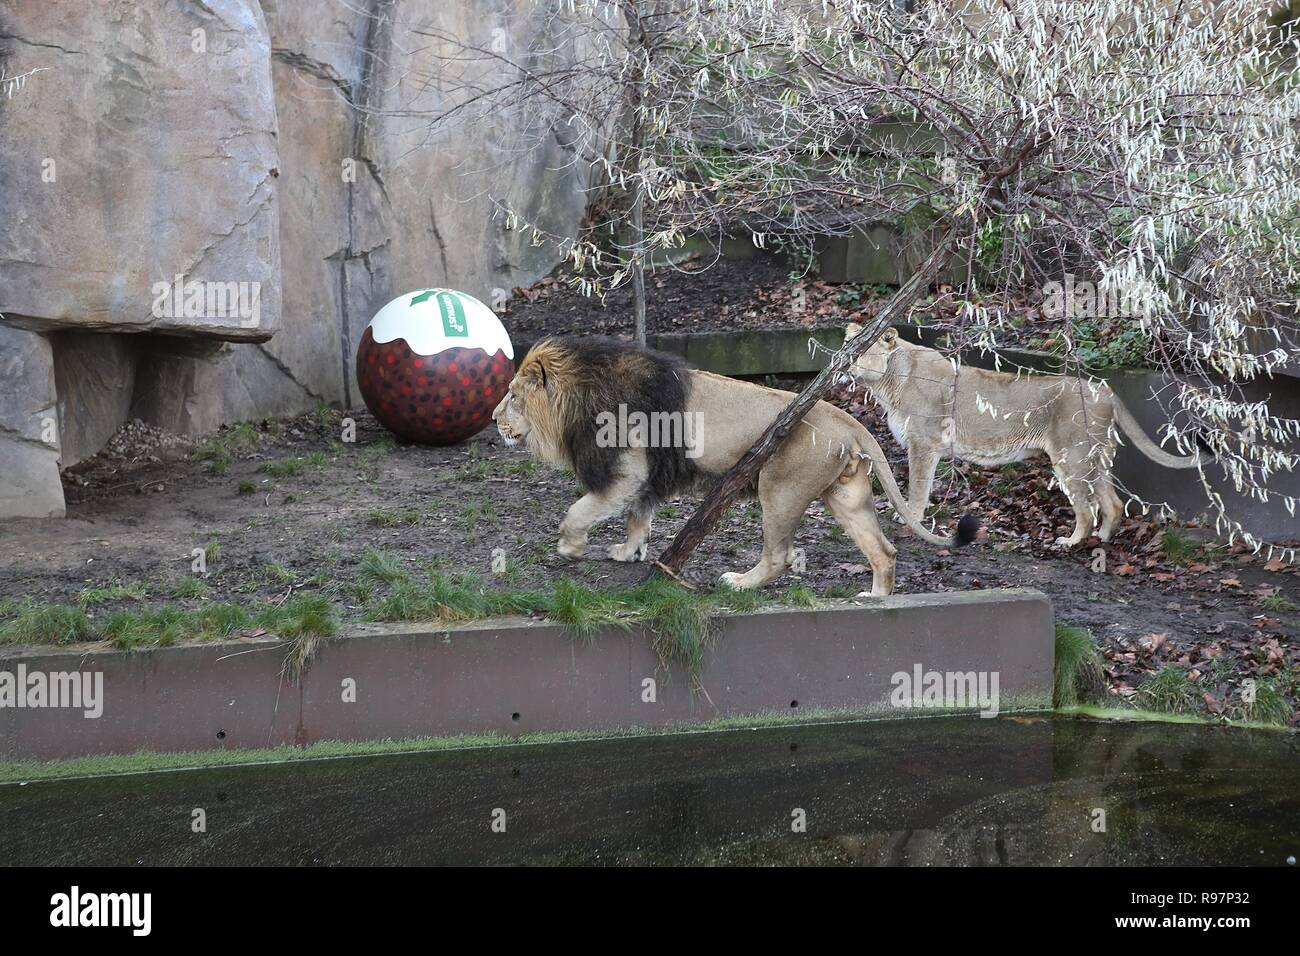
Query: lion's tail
[(1133, 431), (966, 527)]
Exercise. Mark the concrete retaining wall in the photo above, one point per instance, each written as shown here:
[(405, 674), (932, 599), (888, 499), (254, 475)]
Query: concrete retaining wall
[(515, 675)]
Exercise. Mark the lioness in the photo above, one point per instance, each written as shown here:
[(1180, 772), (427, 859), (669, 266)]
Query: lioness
[(571, 395), (999, 418)]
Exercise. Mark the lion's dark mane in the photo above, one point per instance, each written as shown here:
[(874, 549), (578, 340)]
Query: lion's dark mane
[(602, 374)]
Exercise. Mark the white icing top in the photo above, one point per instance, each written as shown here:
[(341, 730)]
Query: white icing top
[(434, 320)]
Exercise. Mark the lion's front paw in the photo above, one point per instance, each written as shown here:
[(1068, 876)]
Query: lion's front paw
[(734, 580), (1064, 542), (628, 551)]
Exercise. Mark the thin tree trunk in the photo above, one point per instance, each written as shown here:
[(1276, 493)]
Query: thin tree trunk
[(638, 260), (743, 473), (638, 186)]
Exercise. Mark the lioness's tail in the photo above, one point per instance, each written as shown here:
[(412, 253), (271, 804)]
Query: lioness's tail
[(966, 527), (1133, 431)]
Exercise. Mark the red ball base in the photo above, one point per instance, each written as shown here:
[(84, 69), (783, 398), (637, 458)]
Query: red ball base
[(431, 399)]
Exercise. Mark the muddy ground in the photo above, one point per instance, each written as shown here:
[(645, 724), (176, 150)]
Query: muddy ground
[(271, 529), (285, 508)]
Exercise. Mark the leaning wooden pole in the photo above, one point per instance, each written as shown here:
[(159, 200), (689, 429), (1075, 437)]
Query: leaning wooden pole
[(744, 472)]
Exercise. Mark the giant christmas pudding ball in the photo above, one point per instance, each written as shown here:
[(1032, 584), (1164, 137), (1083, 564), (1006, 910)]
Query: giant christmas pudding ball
[(433, 364)]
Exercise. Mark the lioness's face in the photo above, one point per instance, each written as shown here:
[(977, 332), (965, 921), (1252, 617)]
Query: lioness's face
[(509, 413), (870, 367)]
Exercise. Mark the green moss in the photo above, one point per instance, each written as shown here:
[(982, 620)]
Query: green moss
[(1102, 712), (31, 770)]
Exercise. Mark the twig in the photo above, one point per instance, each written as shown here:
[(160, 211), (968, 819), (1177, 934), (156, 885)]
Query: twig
[(673, 574)]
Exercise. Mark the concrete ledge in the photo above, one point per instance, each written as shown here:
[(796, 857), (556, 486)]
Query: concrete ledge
[(515, 676), (751, 352), (740, 352)]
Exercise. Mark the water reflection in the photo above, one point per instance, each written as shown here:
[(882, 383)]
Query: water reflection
[(950, 791)]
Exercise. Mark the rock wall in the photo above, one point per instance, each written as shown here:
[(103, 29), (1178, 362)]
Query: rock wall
[(277, 152), (144, 149), (29, 445)]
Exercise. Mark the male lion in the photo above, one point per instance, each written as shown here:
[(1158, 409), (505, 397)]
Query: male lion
[(602, 407), (1001, 418)]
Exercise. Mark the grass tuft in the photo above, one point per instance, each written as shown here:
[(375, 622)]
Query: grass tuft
[(304, 621), (584, 610), (1168, 691), (162, 626), (394, 519), (1079, 677), (483, 469), (46, 624), (291, 467), (1277, 604), (1270, 706), (381, 567), (680, 620), (799, 594), (192, 588), (93, 597), (218, 453), (1178, 547)]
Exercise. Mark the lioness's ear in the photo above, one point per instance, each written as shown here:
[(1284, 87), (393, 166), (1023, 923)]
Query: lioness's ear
[(890, 337), (852, 331)]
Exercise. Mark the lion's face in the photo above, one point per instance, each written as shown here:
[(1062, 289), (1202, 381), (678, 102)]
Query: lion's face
[(870, 367), (512, 422)]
